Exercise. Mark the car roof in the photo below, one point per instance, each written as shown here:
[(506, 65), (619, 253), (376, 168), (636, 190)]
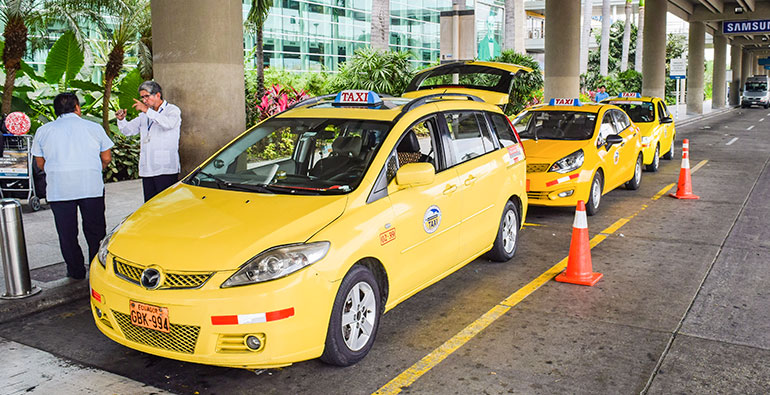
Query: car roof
[(584, 107), (617, 99)]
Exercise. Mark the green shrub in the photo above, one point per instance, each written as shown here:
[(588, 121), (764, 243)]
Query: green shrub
[(369, 69), (525, 86), (125, 159)]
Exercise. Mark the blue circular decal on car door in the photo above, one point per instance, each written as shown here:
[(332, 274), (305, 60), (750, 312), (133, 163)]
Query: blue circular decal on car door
[(432, 219)]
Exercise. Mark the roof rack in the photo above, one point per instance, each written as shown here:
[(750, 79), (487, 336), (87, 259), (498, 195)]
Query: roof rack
[(424, 99), (311, 101)]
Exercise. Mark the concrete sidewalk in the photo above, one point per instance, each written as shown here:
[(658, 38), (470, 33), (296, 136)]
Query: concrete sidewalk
[(47, 268)]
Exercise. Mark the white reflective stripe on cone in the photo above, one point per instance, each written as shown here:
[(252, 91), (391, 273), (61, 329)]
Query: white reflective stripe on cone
[(581, 222), (685, 163)]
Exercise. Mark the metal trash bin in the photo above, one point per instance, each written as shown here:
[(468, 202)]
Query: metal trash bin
[(14, 252)]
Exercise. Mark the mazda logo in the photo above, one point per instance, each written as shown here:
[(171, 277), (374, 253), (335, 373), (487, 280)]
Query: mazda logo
[(150, 278)]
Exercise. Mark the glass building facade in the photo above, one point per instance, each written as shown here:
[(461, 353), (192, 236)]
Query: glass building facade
[(315, 35)]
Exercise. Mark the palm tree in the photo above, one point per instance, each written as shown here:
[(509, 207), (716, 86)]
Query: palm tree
[(626, 38), (255, 21), (604, 47), (16, 14), (639, 38), (585, 36), (133, 18), (380, 29)]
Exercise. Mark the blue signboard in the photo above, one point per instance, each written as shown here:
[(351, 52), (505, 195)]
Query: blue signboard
[(677, 77), (764, 61), (767, 67), (758, 26)]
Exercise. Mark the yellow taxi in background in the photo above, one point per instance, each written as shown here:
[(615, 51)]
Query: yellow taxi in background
[(578, 151), (291, 242), (656, 124)]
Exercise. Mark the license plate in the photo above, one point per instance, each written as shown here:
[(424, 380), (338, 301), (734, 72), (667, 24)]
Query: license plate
[(149, 316)]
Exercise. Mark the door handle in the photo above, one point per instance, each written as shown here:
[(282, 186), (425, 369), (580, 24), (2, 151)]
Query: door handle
[(470, 180), (450, 189)]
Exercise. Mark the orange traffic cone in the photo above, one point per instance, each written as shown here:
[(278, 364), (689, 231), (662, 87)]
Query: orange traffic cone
[(579, 264), (684, 186)]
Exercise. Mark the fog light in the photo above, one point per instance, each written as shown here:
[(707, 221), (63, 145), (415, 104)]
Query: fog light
[(98, 312), (566, 193), (253, 342)]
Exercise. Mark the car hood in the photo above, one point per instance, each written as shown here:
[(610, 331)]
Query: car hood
[(189, 228), (549, 151), (646, 128)]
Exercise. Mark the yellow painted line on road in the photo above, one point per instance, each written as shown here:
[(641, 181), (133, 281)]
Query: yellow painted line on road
[(531, 224), (428, 362), (699, 165)]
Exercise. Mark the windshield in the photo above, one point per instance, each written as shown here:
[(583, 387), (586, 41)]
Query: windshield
[(756, 87), (638, 111), (559, 125), (296, 156)]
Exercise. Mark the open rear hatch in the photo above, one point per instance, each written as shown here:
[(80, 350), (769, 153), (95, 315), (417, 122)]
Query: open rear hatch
[(490, 81)]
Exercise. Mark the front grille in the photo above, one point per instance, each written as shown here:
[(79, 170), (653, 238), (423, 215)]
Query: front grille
[(537, 195), (537, 167), (231, 344), (106, 321), (132, 272), (181, 338)]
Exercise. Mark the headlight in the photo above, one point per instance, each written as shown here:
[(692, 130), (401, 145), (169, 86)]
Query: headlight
[(568, 163), (101, 255), (646, 140), (278, 262)]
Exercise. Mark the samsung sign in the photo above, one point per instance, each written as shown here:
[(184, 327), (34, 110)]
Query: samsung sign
[(762, 26)]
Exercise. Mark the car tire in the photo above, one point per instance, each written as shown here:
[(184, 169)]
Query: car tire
[(595, 194), (670, 154), (357, 306), (636, 179), (507, 238), (655, 165)]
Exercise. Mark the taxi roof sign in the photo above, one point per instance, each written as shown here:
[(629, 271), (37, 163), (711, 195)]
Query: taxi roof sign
[(564, 102), (357, 97), (630, 94)]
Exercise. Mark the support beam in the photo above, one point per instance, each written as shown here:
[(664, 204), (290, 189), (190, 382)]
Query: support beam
[(745, 67), (695, 62), (703, 14), (720, 66), (735, 66), (515, 26), (562, 49), (654, 61), (198, 60)]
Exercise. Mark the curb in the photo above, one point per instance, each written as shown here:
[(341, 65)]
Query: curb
[(53, 293), (702, 117)]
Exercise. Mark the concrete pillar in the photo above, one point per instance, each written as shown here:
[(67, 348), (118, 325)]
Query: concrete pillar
[(720, 66), (735, 66), (562, 49), (654, 47), (745, 67), (515, 26), (695, 66), (198, 60)]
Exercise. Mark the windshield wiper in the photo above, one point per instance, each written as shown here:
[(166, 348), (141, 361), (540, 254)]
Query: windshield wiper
[(220, 182), (249, 187)]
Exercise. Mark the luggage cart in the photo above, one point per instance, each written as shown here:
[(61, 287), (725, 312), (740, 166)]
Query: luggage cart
[(17, 172)]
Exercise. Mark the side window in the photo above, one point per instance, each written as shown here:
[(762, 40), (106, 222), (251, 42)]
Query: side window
[(621, 121), (503, 129), (418, 144), (662, 111), (607, 128), (465, 135)]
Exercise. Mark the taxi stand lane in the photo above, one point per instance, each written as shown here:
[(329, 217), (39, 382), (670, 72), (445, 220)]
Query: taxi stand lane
[(436, 356)]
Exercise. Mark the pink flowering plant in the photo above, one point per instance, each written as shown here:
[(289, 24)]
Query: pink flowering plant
[(278, 98)]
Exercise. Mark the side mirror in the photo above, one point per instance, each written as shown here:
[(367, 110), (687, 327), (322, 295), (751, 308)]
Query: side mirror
[(415, 174), (614, 139), (667, 120)]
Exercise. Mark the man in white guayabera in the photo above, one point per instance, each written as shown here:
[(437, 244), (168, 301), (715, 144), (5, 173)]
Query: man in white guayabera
[(158, 126)]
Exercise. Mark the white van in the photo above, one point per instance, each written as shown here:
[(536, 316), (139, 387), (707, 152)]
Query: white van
[(756, 92)]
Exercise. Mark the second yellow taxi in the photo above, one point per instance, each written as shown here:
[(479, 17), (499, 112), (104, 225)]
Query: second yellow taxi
[(578, 151), (655, 123)]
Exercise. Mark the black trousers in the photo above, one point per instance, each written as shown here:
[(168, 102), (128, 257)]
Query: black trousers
[(65, 215), (155, 185)]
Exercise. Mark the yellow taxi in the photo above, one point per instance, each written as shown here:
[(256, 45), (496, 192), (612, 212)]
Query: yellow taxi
[(578, 151), (656, 124), (291, 242)]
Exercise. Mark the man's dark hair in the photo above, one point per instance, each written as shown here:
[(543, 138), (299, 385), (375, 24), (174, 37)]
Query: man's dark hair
[(151, 87), (65, 103), (602, 86)]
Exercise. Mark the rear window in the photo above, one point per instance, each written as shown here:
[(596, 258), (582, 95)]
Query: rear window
[(560, 125), (466, 76)]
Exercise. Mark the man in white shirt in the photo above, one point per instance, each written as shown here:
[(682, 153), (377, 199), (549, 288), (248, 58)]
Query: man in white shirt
[(158, 127), (73, 152)]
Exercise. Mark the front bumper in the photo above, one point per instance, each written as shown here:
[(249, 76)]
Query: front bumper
[(544, 188), (297, 334), (754, 101)]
